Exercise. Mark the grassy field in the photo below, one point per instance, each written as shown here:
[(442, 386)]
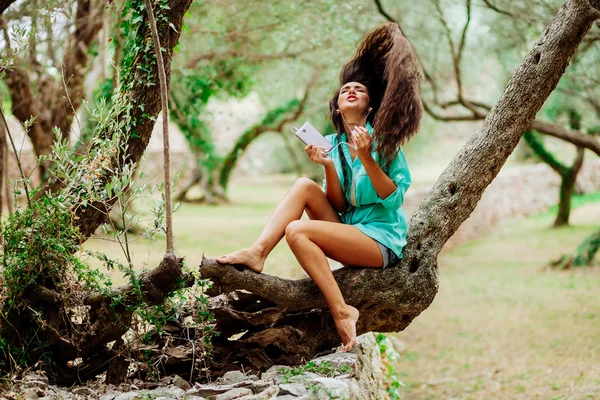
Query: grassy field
[(502, 326)]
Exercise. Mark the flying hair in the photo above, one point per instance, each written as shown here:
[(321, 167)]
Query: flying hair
[(387, 65)]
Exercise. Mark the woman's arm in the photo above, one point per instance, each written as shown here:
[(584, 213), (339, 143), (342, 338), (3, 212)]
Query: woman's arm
[(334, 191), (383, 184)]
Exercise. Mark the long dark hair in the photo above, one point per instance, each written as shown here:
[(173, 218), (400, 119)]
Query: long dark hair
[(387, 65)]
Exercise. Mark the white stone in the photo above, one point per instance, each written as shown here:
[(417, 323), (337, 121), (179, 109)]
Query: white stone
[(169, 391), (297, 389), (234, 394), (369, 367), (334, 387), (232, 377), (260, 385)]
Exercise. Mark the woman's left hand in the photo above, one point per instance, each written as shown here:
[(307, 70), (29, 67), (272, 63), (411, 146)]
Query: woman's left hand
[(363, 141)]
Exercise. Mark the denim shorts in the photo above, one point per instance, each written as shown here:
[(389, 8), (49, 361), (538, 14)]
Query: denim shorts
[(389, 257)]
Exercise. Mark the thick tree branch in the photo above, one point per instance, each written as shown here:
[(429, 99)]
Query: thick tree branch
[(577, 138)]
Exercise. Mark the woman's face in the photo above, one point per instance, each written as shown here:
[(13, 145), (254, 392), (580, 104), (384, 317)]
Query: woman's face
[(353, 97)]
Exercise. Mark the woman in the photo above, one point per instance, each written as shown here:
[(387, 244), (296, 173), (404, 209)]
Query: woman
[(356, 219)]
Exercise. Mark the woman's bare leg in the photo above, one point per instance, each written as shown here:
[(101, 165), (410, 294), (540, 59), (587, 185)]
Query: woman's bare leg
[(304, 195), (312, 242)]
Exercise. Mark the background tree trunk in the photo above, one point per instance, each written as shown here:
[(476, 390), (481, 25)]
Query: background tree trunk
[(568, 175), (286, 321), (55, 102)]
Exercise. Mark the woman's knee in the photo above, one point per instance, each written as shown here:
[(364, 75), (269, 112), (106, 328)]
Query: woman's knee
[(306, 185), (294, 230)]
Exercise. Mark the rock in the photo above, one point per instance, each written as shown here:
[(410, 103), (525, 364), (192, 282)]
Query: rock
[(247, 383), (369, 367), (253, 377), (35, 384), (129, 396), (353, 388), (85, 392), (268, 393), (260, 385), (109, 396), (232, 377), (271, 372), (234, 394), (338, 361), (36, 377), (333, 387), (29, 395), (208, 390), (171, 392), (297, 389), (177, 381)]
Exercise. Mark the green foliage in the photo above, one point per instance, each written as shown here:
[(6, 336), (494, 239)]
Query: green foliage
[(324, 368), (389, 355), (189, 95), (42, 244)]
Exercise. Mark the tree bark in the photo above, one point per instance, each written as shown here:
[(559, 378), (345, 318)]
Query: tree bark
[(287, 321), (567, 187), (568, 175)]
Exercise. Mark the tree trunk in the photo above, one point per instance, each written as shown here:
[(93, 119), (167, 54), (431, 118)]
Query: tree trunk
[(283, 321), (567, 189), (3, 159), (55, 103), (208, 182), (568, 175), (273, 121)]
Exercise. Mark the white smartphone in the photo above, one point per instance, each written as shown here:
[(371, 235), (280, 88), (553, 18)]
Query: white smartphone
[(309, 135)]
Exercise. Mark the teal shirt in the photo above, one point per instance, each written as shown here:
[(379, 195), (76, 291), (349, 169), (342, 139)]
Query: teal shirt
[(381, 219)]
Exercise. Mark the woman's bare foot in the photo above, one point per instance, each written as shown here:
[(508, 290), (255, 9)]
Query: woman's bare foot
[(346, 327), (250, 257)]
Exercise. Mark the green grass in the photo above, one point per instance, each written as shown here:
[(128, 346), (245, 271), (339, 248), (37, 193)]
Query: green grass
[(213, 230), (503, 325)]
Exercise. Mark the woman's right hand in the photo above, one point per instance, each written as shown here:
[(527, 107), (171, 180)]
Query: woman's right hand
[(318, 155)]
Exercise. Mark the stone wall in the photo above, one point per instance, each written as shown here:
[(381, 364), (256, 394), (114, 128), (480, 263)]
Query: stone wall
[(359, 375), (516, 192)]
